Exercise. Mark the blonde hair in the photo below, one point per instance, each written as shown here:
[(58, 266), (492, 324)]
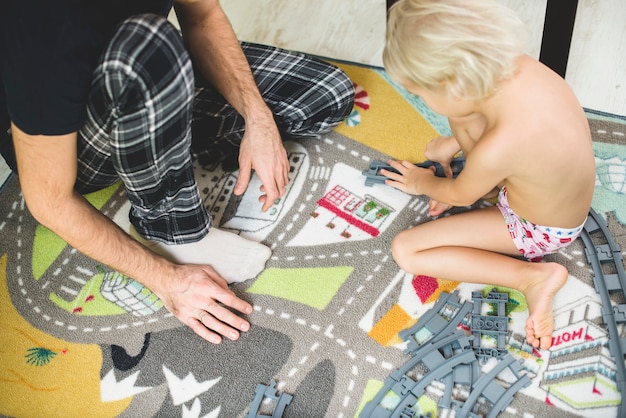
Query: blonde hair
[(468, 46)]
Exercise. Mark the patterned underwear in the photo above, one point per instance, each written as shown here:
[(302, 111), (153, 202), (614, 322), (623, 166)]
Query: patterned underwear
[(534, 241)]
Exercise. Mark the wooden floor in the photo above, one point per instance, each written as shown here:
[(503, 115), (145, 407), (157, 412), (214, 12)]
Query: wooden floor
[(354, 30)]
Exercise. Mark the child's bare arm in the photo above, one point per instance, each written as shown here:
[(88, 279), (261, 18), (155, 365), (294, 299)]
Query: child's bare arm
[(485, 168), (442, 150)]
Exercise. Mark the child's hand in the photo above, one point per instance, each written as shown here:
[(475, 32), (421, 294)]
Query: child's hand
[(442, 150), (410, 177)]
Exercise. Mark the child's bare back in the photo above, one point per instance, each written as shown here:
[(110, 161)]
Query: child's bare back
[(536, 127)]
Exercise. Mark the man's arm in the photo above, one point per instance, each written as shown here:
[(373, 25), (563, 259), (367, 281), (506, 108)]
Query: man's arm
[(216, 51), (47, 168)]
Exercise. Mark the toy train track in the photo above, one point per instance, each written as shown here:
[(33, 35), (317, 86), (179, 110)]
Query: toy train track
[(452, 357), (609, 279)]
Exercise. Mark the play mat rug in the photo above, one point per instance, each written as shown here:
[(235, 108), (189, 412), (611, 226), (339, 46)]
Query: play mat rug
[(77, 339)]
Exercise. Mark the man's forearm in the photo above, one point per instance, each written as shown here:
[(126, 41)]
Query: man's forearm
[(217, 53), (89, 231)]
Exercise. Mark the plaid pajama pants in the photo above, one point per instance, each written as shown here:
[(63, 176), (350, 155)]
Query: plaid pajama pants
[(148, 114)]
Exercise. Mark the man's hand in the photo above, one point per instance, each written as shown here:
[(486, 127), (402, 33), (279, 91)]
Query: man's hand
[(196, 295), (200, 298), (262, 150)]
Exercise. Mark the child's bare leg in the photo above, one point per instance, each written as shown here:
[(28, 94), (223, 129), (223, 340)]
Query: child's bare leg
[(472, 247)]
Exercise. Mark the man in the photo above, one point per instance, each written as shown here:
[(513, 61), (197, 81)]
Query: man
[(96, 92)]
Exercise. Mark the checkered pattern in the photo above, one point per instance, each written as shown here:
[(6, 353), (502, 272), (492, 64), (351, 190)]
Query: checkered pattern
[(137, 130), (307, 96), (142, 104)]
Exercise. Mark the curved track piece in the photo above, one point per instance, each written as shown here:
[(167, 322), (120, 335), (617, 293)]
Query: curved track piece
[(439, 356), (451, 357), (439, 321), (605, 255), (487, 388)]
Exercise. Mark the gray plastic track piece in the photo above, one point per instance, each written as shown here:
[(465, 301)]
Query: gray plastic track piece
[(268, 392)]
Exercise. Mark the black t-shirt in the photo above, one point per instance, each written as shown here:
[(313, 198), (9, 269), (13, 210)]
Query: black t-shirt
[(48, 51)]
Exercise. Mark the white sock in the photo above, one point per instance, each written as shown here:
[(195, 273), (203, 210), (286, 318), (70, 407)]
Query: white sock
[(235, 258)]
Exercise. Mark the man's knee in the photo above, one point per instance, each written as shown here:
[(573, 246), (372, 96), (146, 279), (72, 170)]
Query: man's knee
[(341, 93), (147, 53), (333, 100)]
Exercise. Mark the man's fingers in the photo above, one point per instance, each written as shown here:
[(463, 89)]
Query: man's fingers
[(282, 171), (199, 328), (245, 173), (229, 320), (229, 299), (216, 321), (267, 199), (274, 188), (225, 296)]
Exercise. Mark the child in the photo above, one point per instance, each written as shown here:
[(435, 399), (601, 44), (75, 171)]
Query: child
[(523, 134)]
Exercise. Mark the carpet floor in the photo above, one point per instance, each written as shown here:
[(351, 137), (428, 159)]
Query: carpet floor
[(77, 339)]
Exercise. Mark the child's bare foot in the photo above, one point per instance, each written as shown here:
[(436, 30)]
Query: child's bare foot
[(539, 296), (437, 208)]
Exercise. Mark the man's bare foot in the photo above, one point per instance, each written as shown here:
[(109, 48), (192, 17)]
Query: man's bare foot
[(539, 297)]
